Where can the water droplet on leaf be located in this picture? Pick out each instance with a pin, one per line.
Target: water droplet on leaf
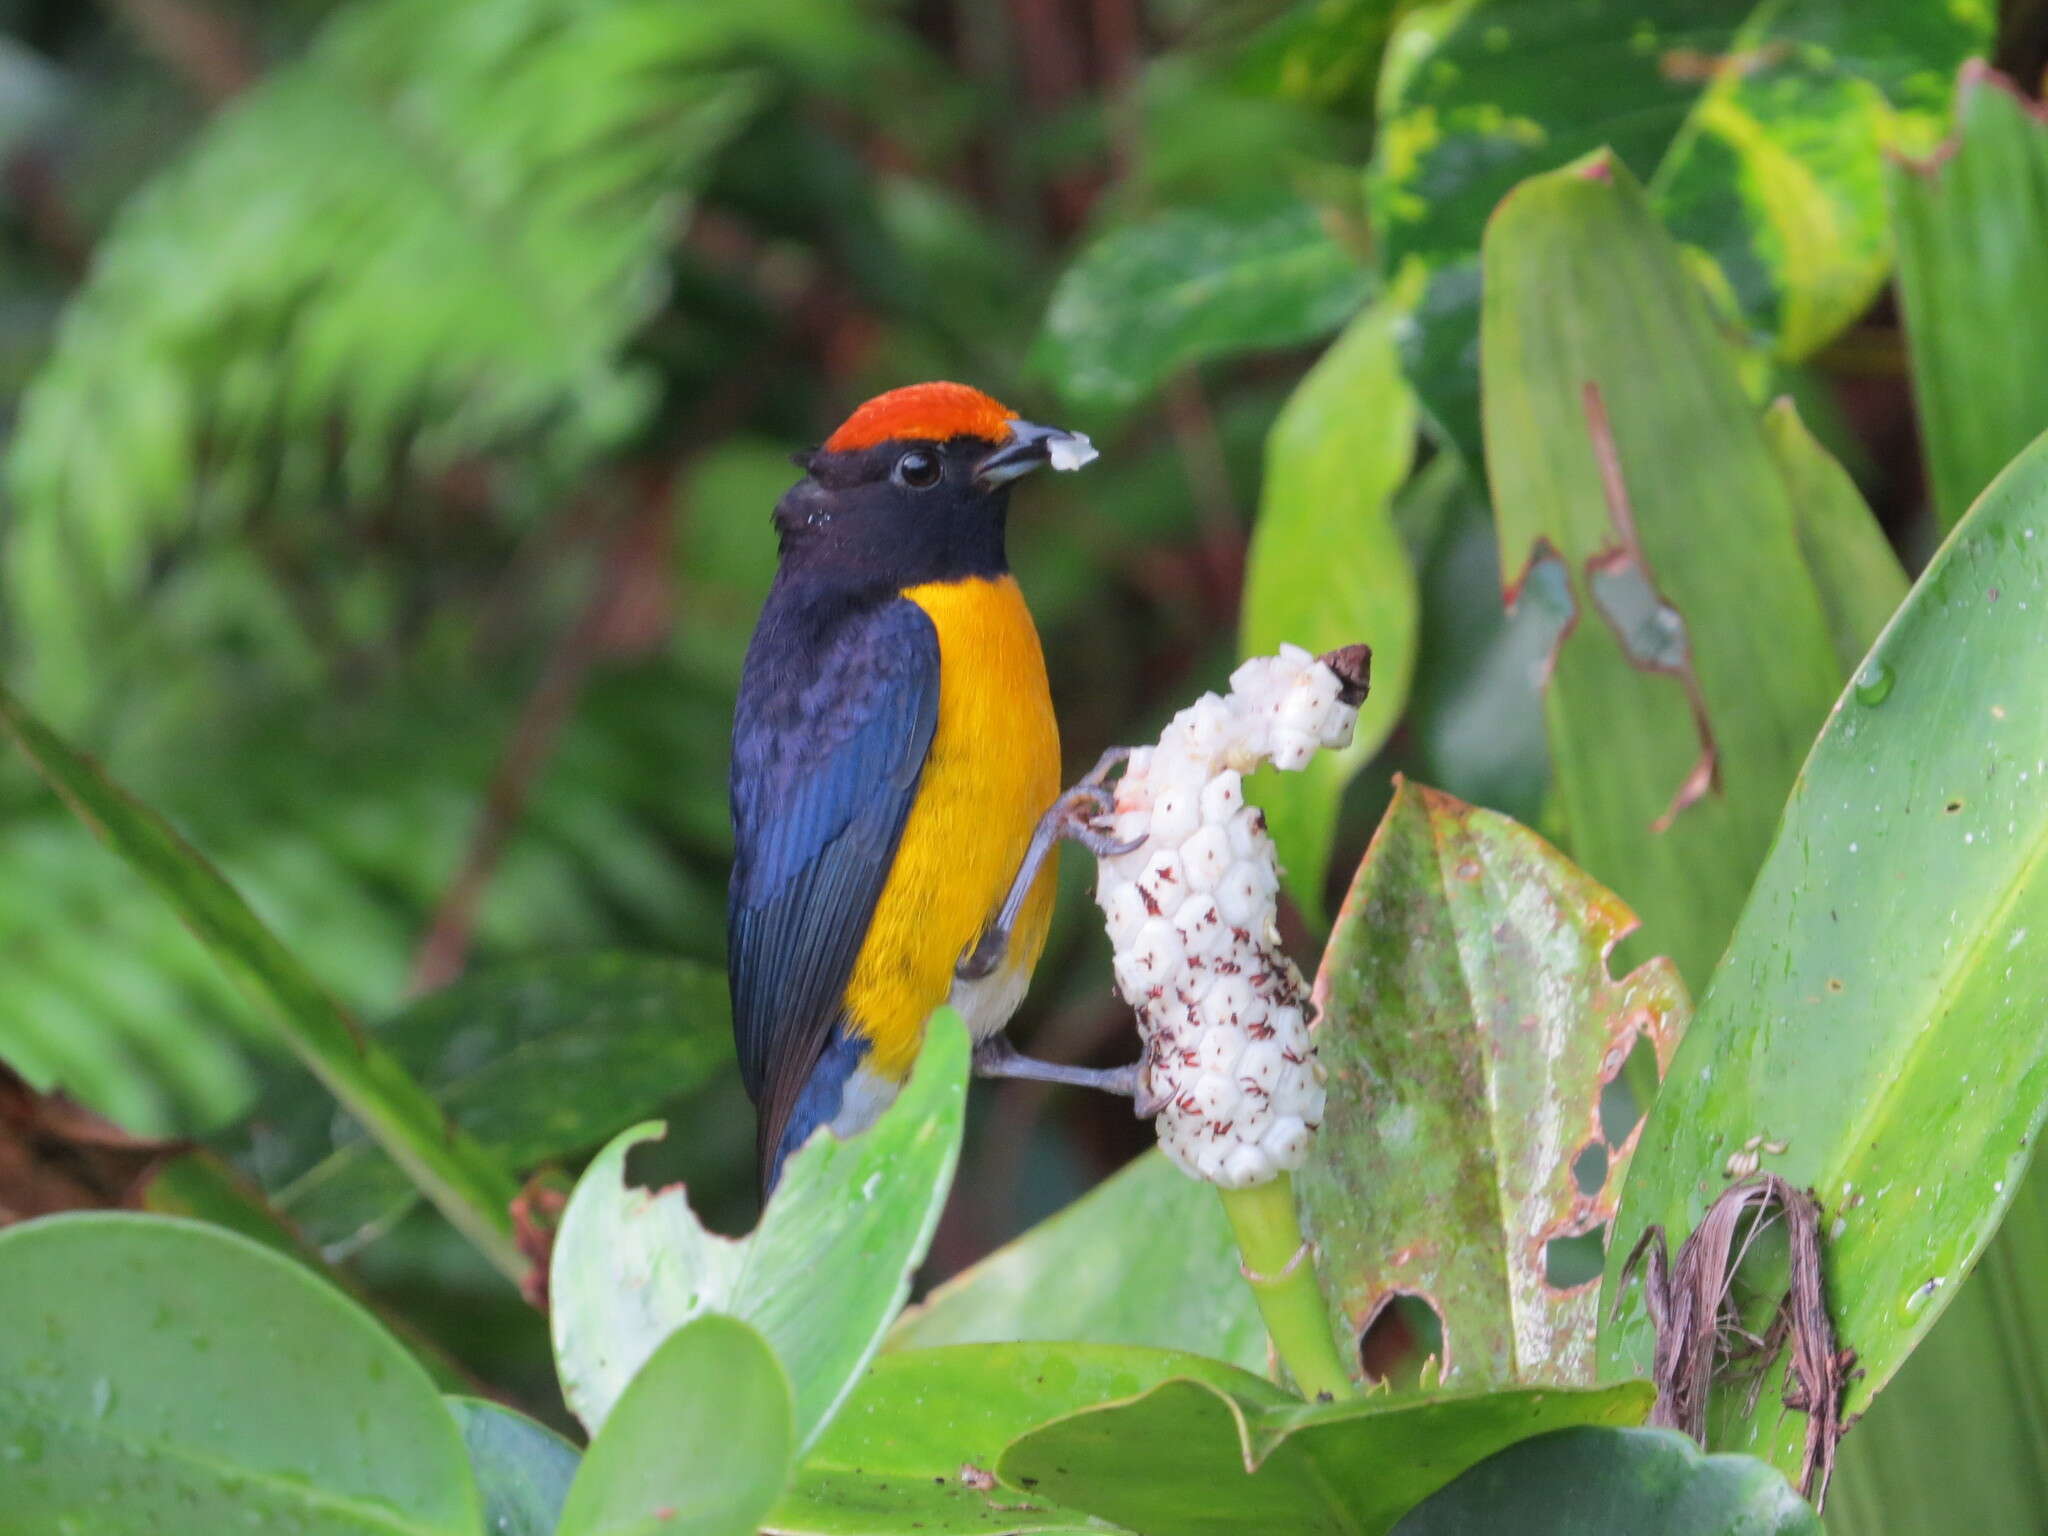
(1873, 683)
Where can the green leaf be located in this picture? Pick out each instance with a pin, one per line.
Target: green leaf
(1778, 176)
(1758, 119)
(1469, 1027)
(537, 1059)
(164, 1377)
(1615, 1482)
(522, 1469)
(471, 1188)
(1478, 95)
(822, 1276)
(112, 999)
(200, 1186)
(1972, 225)
(1146, 300)
(1325, 54)
(1676, 720)
(1857, 576)
(1874, 1013)
(1187, 1459)
(916, 1446)
(699, 1444)
(1906, 1469)
(1327, 568)
(1078, 1275)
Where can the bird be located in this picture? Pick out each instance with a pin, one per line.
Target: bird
(895, 780)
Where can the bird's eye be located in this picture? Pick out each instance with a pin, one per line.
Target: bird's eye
(918, 469)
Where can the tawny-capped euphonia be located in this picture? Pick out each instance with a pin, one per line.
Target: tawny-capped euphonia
(895, 769)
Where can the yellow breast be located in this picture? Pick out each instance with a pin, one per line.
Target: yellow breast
(992, 770)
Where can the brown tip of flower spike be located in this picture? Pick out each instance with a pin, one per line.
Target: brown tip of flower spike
(1353, 666)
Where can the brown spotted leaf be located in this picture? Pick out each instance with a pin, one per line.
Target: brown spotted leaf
(1470, 1026)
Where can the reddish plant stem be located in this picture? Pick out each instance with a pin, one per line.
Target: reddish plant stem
(203, 47)
(615, 599)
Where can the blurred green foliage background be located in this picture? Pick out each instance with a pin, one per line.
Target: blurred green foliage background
(397, 391)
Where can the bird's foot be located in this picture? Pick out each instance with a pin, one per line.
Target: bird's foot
(1071, 818)
(996, 1057)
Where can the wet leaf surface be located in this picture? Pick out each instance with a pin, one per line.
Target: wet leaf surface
(523, 1469)
(1873, 1034)
(1905, 1470)
(1469, 1025)
(163, 1377)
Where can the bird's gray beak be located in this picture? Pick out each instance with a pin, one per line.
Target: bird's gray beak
(1030, 446)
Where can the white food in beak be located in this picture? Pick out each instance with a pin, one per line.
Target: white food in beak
(1070, 450)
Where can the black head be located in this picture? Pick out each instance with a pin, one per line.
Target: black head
(914, 487)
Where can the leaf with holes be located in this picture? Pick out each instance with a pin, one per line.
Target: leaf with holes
(1874, 1033)
(1627, 460)
(916, 1446)
(1582, 1481)
(1191, 1459)
(1145, 1257)
(1469, 1026)
(1327, 568)
(1190, 284)
(1972, 225)
(821, 1276)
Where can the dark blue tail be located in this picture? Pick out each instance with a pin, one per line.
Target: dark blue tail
(819, 1102)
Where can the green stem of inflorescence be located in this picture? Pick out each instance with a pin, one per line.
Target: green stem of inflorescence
(1280, 1268)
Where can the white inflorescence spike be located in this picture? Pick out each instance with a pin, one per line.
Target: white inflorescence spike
(1229, 1062)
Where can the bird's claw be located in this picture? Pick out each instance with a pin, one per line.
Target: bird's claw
(1073, 818)
(1080, 809)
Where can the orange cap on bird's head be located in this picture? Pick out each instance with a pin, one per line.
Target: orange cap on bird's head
(946, 416)
(934, 413)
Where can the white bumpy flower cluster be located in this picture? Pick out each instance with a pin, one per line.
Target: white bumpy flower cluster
(1229, 1067)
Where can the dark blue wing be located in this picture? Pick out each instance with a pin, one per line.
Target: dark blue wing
(836, 710)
